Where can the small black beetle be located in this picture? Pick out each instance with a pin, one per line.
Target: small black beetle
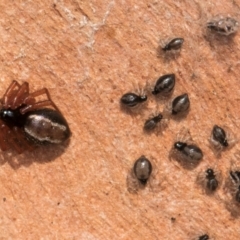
(132, 100)
(212, 182)
(192, 153)
(219, 135)
(185, 151)
(152, 123)
(221, 138)
(164, 84)
(142, 169)
(180, 104)
(235, 178)
(174, 44)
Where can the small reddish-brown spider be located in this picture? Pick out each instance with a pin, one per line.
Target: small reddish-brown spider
(25, 121)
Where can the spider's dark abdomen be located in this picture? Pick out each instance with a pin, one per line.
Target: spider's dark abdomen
(44, 126)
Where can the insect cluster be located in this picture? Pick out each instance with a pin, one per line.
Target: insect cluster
(27, 122)
(161, 89)
(184, 150)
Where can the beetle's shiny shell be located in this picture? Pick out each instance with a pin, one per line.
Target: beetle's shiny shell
(219, 135)
(223, 25)
(44, 126)
(174, 44)
(142, 169)
(132, 99)
(164, 84)
(212, 182)
(151, 123)
(193, 153)
(180, 104)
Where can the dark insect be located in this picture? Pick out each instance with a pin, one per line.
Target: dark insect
(132, 100)
(235, 177)
(221, 138)
(204, 237)
(164, 84)
(152, 123)
(185, 151)
(219, 135)
(191, 152)
(142, 169)
(209, 180)
(26, 122)
(174, 44)
(212, 182)
(223, 25)
(180, 104)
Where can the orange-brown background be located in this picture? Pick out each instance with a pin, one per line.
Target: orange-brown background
(88, 53)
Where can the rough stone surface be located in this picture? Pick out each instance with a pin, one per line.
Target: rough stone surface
(88, 54)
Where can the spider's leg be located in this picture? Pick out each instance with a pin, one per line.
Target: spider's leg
(40, 104)
(20, 96)
(37, 105)
(9, 94)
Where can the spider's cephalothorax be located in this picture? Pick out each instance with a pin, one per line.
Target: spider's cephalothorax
(25, 122)
(12, 117)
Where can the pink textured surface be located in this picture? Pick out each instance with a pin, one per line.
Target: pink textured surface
(88, 53)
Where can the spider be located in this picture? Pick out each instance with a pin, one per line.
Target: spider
(26, 122)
